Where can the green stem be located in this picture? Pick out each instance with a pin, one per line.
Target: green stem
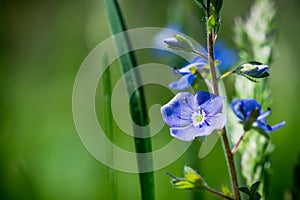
(108, 126)
(229, 156)
(137, 101)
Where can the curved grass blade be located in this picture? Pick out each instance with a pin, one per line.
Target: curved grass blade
(137, 101)
(108, 125)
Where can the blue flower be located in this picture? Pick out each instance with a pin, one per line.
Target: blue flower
(249, 111)
(189, 74)
(252, 70)
(191, 116)
(226, 57)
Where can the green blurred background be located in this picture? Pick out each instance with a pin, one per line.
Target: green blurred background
(42, 46)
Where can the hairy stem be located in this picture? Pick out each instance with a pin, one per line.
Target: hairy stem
(229, 156)
(230, 162)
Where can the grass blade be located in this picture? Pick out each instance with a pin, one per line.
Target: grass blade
(137, 101)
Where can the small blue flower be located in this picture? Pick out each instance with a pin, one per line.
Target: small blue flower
(226, 57)
(189, 74)
(249, 111)
(191, 116)
(252, 70)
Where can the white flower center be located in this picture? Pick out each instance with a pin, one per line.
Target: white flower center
(198, 117)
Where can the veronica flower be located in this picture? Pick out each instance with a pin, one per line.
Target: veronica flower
(225, 58)
(191, 116)
(189, 74)
(249, 111)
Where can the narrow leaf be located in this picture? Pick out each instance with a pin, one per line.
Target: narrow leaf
(254, 187)
(245, 190)
(137, 102)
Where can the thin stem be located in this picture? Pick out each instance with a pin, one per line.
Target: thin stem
(230, 162)
(218, 193)
(238, 143)
(200, 55)
(229, 156)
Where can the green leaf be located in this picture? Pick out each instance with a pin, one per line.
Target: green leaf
(245, 190)
(108, 127)
(226, 191)
(183, 184)
(254, 187)
(179, 42)
(201, 4)
(191, 180)
(217, 6)
(137, 102)
(249, 78)
(257, 196)
(211, 23)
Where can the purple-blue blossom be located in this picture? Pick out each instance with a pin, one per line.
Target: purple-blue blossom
(244, 110)
(189, 74)
(226, 57)
(192, 116)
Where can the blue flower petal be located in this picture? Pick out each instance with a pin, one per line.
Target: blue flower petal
(235, 106)
(183, 133)
(248, 105)
(260, 69)
(277, 126)
(213, 105)
(216, 122)
(264, 115)
(186, 69)
(178, 111)
(202, 97)
(184, 82)
(189, 119)
(243, 108)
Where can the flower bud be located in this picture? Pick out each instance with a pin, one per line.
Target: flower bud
(179, 42)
